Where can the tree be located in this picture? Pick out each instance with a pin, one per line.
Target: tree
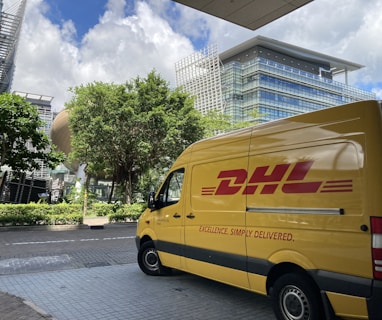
(124, 130)
(20, 127)
(215, 122)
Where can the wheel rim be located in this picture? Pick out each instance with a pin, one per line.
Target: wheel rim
(294, 304)
(151, 259)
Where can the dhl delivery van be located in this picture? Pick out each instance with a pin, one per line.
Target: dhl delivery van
(291, 209)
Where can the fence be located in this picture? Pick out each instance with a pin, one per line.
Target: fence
(22, 188)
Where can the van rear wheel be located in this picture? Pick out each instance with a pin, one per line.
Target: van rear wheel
(295, 297)
(149, 262)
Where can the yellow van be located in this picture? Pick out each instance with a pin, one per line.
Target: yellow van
(291, 209)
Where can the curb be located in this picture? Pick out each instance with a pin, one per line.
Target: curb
(13, 308)
(40, 311)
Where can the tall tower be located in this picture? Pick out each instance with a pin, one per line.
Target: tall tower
(199, 74)
(44, 108)
(11, 17)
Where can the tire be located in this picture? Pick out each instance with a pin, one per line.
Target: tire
(295, 297)
(149, 262)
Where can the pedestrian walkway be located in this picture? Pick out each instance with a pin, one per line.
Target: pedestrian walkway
(123, 292)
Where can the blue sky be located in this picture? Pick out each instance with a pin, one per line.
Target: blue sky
(84, 13)
(64, 43)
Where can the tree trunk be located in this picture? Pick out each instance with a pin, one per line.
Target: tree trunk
(86, 187)
(128, 190)
(111, 190)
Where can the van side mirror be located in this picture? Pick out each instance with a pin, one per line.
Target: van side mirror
(151, 201)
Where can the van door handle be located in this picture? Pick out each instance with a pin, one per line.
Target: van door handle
(190, 216)
(176, 215)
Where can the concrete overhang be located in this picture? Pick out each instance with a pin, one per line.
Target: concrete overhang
(337, 65)
(251, 14)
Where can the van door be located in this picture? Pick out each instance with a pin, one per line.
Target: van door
(168, 219)
(305, 207)
(215, 221)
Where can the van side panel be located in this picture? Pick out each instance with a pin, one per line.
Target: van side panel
(306, 207)
(345, 305)
(214, 243)
(308, 199)
(373, 159)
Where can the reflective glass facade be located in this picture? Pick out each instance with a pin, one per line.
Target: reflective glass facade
(272, 78)
(280, 90)
(10, 26)
(199, 74)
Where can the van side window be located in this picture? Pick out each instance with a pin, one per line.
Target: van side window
(172, 188)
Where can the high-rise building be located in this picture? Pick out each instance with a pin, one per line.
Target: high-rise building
(274, 78)
(10, 26)
(44, 108)
(200, 75)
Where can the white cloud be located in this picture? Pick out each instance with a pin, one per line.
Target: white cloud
(45, 56)
(116, 49)
(158, 34)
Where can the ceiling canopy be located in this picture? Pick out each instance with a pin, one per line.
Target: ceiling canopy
(251, 14)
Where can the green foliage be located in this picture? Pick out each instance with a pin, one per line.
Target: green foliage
(151, 180)
(100, 209)
(215, 122)
(128, 213)
(124, 130)
(39, 214)
(20, 124)
(65, 214)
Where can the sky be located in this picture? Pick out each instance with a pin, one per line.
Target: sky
(67, 43)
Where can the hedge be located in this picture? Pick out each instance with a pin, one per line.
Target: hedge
(64, 214)
(127, 213)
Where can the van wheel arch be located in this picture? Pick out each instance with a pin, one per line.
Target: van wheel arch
(280, 269)
(145, 239)
(289, 280)
(149, 261)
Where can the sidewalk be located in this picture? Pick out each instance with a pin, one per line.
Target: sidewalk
(15, 308)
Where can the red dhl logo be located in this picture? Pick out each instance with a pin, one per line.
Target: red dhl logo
(265, 180)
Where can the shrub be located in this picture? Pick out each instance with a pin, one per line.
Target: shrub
(39, 214)
(101, 209)
(127, 213)
(65, 213)
(135, 210)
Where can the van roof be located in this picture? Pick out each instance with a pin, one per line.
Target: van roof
(320, 117)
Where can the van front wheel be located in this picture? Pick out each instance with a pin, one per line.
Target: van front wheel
(148, 260)
(294, 297)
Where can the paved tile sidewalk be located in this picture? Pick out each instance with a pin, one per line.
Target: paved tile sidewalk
(123, 292)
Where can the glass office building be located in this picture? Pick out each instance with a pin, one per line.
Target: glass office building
(10, 26)
(44, 108)
(278, 80)
(200, 74)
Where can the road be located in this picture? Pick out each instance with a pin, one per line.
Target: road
(92, 274)
(36, 251)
